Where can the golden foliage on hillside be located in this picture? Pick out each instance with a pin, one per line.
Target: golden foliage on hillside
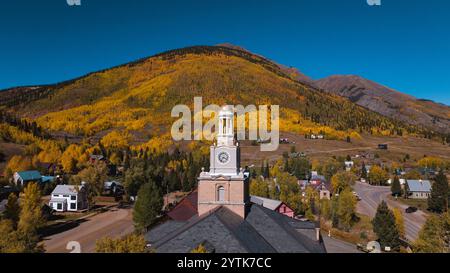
(139, 96)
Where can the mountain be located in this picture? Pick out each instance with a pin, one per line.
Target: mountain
(389, 102)
(138, 97)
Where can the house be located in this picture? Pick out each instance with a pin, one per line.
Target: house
(69, 198)
(274, 205)
(25, 177)
(317, 180)
(349, 165)
(418, 189)
(47, 167)
(221, 214)
(324, 192)
(186, 208)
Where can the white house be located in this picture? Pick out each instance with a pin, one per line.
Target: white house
(418, 189)
(69, 198)
(349, 165)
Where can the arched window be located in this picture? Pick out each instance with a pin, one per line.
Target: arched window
(220, 194)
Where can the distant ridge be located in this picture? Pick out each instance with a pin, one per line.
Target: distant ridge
(389, 102)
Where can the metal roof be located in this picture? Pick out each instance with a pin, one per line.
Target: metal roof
(265, 202)
(29, 175)
(419, 185)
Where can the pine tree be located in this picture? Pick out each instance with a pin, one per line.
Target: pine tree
(385, 227)
(148, 206)
(438, 201)
(363, 171)
(396, 188)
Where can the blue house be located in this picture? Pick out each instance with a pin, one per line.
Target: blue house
(25, 177)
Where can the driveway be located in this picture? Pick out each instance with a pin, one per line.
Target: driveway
(113, 223)
(371, 197)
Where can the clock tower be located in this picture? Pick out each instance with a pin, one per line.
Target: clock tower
(225, 184)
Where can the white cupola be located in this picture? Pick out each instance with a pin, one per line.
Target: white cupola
(225, 136)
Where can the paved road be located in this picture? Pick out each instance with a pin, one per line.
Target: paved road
(337, 246)
(113, 223)
(372, 196)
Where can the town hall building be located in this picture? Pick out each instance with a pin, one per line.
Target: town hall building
(219, 214)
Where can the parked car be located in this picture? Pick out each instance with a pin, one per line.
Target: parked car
(411, 210)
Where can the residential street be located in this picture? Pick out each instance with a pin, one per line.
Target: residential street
(372, 196)
(113, 223)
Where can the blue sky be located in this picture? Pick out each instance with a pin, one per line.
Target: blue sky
(404, 44)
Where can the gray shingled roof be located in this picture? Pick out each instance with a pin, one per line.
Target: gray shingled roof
(263, 231)
(66, 190)
(419, 185)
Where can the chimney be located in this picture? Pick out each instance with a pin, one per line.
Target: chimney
(318, 234)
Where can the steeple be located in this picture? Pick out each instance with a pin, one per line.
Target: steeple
(225, 184)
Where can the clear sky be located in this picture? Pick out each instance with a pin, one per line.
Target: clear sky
(404, 44)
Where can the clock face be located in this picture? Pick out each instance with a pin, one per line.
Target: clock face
(224, 157)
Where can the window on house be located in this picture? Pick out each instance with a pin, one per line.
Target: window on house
(65, 196)
(221, 194)
(73, 206)
(73, 197)
(59, 206)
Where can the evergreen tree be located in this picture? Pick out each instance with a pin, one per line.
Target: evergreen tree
(267, 171)
(363, 171)
(396, 188)
(148, 206)
(385, 227)
(438, 200)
